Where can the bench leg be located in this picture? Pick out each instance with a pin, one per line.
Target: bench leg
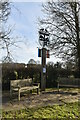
(37, 90)
(31, 91)
(19, 95)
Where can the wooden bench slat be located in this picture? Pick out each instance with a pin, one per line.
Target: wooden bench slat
(22, 86)
(68, 82)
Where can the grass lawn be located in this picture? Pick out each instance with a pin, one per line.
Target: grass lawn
(67, 111)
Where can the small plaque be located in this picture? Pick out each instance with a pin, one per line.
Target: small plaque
(44, 70)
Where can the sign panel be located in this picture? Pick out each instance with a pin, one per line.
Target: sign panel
(44, 70)
(39, 52)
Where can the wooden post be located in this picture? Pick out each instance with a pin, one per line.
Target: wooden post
(18, 94)
(43, 71)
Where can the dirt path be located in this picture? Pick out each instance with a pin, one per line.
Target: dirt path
(49, 97)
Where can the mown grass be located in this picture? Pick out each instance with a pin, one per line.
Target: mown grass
(66, 111)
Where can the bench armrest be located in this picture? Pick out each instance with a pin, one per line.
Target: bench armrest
(36, 84)
(16, 87)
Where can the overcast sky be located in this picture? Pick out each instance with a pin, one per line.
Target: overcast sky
(24, 21)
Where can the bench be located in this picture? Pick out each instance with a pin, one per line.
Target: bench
(22, 86)
(68, 82)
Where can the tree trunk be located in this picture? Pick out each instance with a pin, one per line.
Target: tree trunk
(77, 37)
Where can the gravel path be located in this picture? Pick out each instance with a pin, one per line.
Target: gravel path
(43, 99)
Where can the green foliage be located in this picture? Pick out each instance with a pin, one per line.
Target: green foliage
(76, 74)
(51, 76)
(13, 73)
(53, 73)
(66, 111)
(34, 72)
(36, 78)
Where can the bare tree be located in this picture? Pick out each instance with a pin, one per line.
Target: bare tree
(62, 22)
(5, 41)
(31, 61)
(4, 10)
